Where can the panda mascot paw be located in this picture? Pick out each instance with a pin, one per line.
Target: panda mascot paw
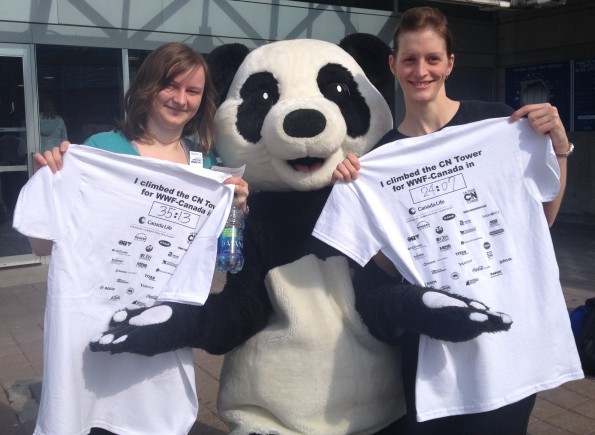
(468, 318)
(148, 331)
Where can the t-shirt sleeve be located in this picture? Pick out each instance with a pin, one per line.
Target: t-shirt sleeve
(540, 166)
(43, 207)
(191, 282)
(345, 225)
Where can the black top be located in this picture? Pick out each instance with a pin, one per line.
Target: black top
(469, 111)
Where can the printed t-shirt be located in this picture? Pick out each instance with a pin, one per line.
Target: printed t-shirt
(127, 231)
(461, 210)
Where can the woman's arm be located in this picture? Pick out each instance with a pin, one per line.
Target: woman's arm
(41, 247)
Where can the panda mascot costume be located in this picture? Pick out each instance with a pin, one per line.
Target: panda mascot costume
(300, 357)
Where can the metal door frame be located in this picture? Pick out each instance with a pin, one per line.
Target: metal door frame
(26, 53)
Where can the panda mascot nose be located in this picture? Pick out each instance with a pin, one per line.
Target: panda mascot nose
(304, 123)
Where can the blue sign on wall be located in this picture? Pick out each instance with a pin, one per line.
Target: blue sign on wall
(584, 95)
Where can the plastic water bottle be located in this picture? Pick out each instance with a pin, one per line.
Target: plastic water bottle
(230, 246)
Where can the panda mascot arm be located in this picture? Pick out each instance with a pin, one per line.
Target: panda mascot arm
(226, 320)
(389, 306)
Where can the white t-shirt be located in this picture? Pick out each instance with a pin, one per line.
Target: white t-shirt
(127, 231)
(461, 210)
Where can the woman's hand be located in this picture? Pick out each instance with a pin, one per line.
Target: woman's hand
(544, 118)
(241, 192)
(51, 158)
(347, 170)
(41, 247)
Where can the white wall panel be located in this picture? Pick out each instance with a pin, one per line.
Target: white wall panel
(206, 23)
(121, 14)
(41, 11)
(15, 32)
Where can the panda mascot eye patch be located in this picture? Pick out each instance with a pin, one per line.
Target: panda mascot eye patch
(335, 91)
(261, 98)
(259, 94)
(338, 85)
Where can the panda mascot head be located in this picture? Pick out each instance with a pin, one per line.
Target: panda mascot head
(293, 109)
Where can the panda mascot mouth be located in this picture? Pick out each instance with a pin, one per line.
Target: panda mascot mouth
(306, 164)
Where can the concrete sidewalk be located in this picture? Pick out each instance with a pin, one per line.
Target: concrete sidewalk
(569, 409)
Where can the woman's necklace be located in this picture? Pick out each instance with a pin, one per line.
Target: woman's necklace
(175, 142)
(172, 151)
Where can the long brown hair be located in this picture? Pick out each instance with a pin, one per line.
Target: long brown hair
(424, 17)
(156, 73)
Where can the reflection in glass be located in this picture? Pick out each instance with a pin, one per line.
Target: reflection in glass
(85, 86)
(52, 129)
(13, 152)
(135, 60)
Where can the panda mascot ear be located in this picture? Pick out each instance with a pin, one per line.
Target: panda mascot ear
(371, 53)
(223, 63)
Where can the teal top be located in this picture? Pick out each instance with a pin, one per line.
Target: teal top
(116, 142)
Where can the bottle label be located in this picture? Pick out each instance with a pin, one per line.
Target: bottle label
(231, 241)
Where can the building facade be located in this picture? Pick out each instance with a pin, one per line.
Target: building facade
(66, 64)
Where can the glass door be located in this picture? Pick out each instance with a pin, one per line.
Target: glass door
(17, 131)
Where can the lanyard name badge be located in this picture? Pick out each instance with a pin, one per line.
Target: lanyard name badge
(196, 158)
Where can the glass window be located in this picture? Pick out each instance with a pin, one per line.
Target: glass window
(13, 152)
(81, 86)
